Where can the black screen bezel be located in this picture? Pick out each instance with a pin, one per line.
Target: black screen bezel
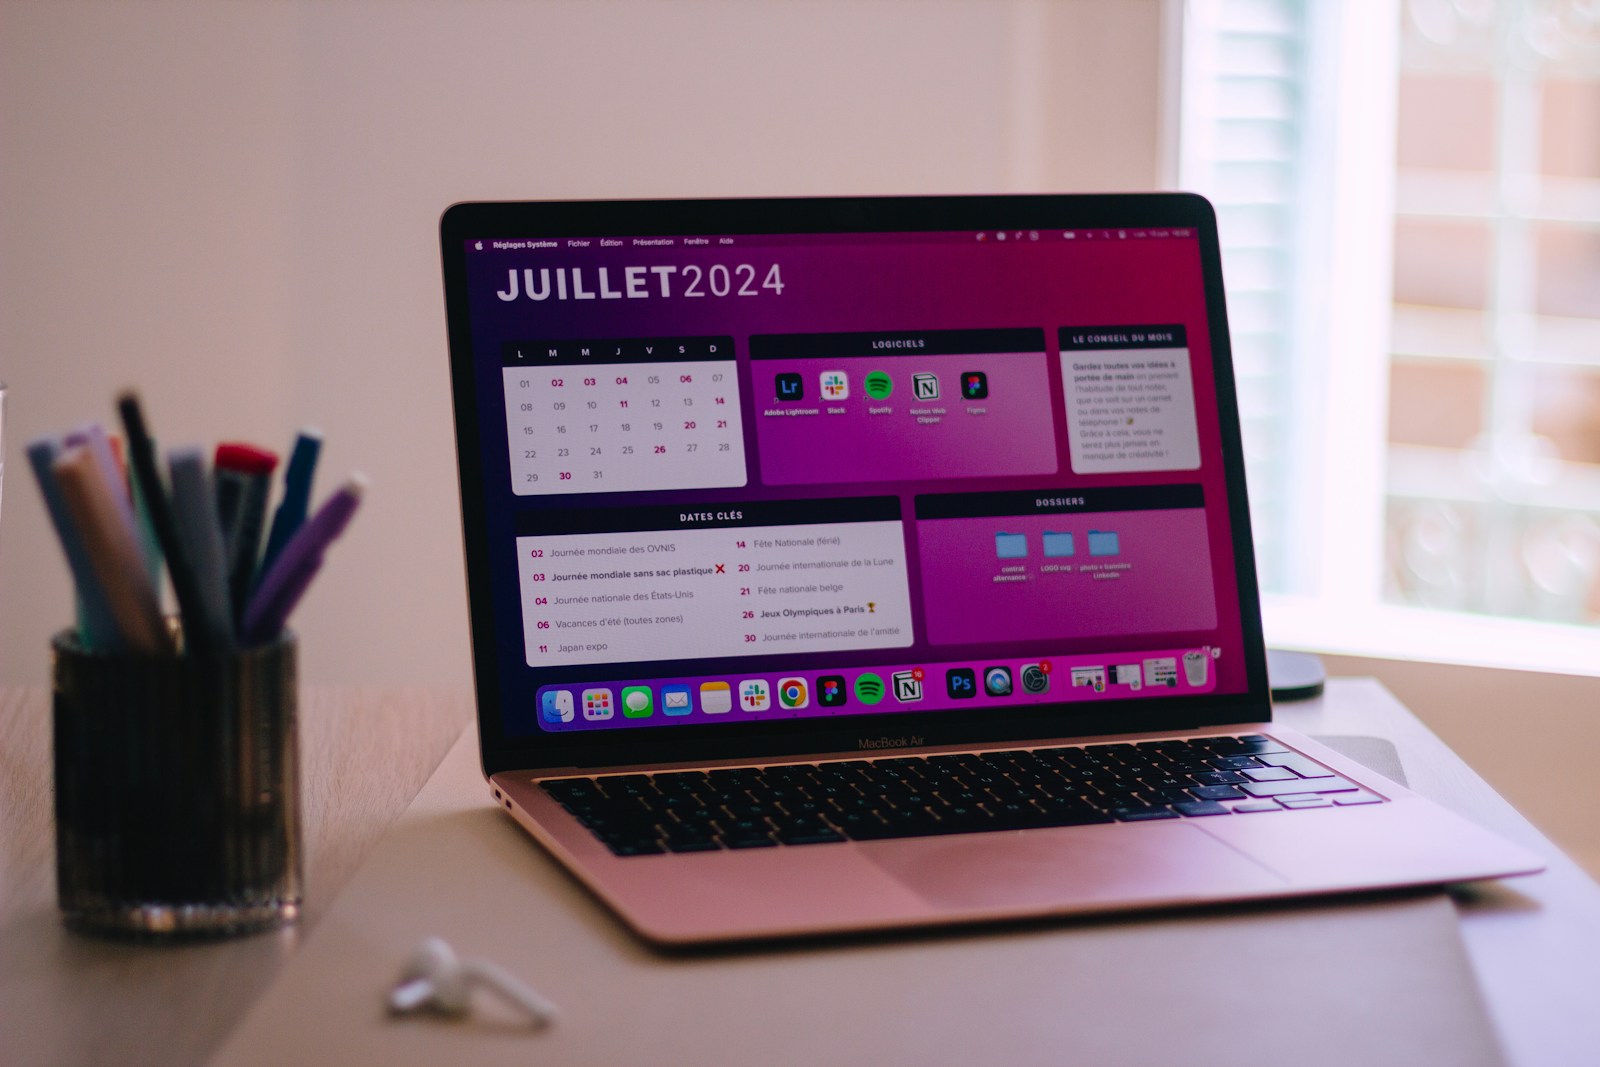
(754, 741)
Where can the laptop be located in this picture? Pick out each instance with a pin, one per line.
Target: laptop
(846, 565)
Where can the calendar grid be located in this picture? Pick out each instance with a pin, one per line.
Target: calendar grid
(597, 416)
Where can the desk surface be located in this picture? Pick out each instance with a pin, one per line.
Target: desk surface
(1534, 943)
(66, 999)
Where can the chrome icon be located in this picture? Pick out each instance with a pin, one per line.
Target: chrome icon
(793, 693)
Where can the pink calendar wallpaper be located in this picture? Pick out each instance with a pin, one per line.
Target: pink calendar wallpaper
(749, 396)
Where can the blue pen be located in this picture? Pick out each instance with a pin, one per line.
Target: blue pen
(283, 586)
(296, 498)
(195, 514)
(97, 630)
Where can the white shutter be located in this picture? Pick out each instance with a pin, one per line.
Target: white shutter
(1245, 87)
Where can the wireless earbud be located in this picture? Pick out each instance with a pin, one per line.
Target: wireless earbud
(435, 979)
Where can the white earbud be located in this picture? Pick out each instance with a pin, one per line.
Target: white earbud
(435, 979)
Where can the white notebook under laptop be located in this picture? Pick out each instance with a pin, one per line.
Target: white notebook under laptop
(867, 563)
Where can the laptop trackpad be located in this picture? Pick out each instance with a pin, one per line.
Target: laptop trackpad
(1088, 864)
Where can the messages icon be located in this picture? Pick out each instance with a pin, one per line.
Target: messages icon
(638, 702)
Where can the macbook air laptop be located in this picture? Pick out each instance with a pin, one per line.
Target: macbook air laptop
(858, 564)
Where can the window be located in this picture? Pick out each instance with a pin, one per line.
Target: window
(1409, 198)
(1494, 424)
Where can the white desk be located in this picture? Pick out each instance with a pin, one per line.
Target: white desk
(72, 1000)
(1534, 944)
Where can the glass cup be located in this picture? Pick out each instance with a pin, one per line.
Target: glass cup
(177, 791)
(2, 444)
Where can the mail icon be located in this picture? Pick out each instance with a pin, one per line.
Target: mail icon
(1057, 544)
(1103, 543)
(675, 697)
(1011, 545)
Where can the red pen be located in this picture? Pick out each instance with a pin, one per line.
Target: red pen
(244, 477)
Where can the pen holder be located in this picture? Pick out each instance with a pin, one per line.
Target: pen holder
(177, 791)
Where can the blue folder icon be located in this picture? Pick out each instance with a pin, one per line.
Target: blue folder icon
(1011, 545)
(1103, 543)
(1057, 544)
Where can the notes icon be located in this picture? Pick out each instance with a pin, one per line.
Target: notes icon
(716, 698)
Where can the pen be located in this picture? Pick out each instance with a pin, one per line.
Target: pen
(99, 444)
(149, 544)
(227, 489)
(255, 466)
(142, 451)
(97, 630)
(296, 498)
(283, 586)
(195, 514)
(112, 551)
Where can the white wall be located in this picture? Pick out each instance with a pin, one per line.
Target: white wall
(233, 206)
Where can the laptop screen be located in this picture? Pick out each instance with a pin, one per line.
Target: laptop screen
(730, 477)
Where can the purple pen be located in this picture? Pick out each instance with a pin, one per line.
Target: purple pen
(282, 587)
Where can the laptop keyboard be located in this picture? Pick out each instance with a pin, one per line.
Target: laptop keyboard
(916, 796)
